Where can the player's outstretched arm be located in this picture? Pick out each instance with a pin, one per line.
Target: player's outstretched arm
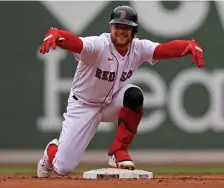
(64, 39)
(180, 48)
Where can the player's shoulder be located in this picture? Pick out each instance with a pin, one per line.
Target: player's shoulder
(138, 41)
(143, 43)
(101, 39)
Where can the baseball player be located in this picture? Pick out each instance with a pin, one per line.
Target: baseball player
(100, 90)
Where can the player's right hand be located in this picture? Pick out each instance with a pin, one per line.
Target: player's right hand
(50, 39)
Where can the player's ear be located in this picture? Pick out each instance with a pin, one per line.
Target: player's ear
(110, 26)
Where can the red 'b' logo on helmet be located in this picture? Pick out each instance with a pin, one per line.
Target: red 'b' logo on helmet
(123, 14)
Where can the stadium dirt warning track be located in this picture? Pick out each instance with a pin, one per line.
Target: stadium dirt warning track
(168, 181)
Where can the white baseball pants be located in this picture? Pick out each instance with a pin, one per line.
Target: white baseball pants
(78, 128)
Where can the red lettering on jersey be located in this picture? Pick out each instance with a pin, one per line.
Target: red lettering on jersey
(98, 73)
(123, 76)
(111, 76)
(105, 74)
(126, 75)
(129, 74)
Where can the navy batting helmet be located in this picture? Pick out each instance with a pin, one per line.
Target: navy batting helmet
(125, 15)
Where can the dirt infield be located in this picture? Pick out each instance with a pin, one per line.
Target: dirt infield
(175, 181)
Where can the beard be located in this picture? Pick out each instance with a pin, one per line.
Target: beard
(121, 42)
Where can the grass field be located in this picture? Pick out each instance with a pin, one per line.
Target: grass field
(156, 169)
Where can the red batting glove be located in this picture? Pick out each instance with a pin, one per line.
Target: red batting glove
(50, 39)
(197, 53)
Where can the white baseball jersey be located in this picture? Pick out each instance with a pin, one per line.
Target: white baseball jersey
(102, 71)
(100, 77)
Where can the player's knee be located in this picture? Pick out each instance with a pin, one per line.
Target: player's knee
(133, 98)
(64, 170)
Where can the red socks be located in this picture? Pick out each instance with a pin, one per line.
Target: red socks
(127, 128)
(51, 151)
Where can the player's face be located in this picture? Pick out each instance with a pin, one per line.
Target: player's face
(121, 35)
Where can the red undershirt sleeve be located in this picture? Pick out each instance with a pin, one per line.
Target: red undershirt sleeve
(173, 49)
(71, 42)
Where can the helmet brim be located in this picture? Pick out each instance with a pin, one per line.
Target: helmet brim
(123, 21)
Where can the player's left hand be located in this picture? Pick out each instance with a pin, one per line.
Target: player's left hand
(50, 40)
(197, 53)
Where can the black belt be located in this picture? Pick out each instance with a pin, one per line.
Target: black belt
(74, 97)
